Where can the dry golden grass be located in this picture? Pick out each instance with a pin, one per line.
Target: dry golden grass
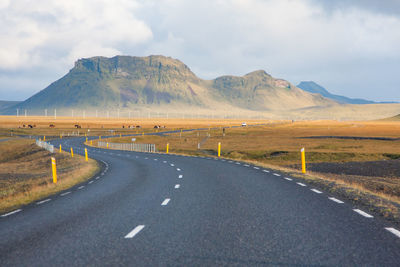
(25, 173)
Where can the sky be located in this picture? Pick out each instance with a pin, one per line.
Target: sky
(351, 47)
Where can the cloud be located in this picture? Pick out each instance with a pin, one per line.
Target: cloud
(344, 45)
(66, 30)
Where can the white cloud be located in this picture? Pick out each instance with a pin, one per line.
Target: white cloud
(46, 30)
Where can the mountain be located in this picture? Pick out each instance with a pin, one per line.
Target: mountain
(7, 104)
(315, 88)
(157, 81)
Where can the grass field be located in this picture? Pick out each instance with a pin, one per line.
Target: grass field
(25, 172)
(276, 144)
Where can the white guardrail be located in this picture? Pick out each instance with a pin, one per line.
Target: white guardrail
(45, 145)
(129, 146)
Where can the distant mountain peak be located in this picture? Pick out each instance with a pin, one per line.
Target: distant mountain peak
(313, 87)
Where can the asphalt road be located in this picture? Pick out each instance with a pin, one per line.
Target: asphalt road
(168, 210)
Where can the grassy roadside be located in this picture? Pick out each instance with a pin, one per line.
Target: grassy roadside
(25, 173)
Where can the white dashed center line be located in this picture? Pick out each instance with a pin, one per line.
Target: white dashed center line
(97, 177)
(276, 174)
(180, 176)
(164, 161)
(362, 213)
(336, 200)
(155, 159)
(172, 165)
(11, 213)
(237, 163)
(135, 231)
(316, 191)
(43, 201)
(301, 184)
(178, 169)
(246, 165)
(393, 231)
(81, 187)
(265, 171)
(256, 168)
(165, 202)
(177, 186)
(66, 193)
(90, 182)
(289, 179)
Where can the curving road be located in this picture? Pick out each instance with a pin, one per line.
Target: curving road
(156, 210)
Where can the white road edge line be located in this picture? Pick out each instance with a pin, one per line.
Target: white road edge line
(165, 202)
(43, 201)
(66, 193)
(363, 213)
(172, 165)
(180, 176)
(276, 174)
(91, 182)
(81, 187)
(393, 231)
(11, 213)
(177, 186)
(336, 200)
(265, 171)
(316, 191)
(256, 168)
(289, 179)
(135, 231)
(301, 184)
(178, 169)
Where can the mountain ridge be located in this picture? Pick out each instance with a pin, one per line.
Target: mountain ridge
(132, 82)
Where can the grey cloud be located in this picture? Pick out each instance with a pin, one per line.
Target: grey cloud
(391, 7)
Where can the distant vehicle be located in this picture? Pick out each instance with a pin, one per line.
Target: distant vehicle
(244, 124)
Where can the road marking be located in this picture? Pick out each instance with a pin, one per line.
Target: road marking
(178, 169)
(118, 154)
(97, 177)
(66, 193)
(230, 161)
(393, 231)
(316, 191)
(81, 187)
(11, 213)
(246, 165)
(289, 179)
(276, 174)
(180, 176)
(238, 163)
(90, 182)
(165, 161)
(223, 160)
(265, 171)
(43, 201)
(155, 159)
(336, 200)
(363, 213)
(146, 158)
(165, 202)
(135, 231)
(172, 165)
(301, 184)
(256, 168)
(177, 186)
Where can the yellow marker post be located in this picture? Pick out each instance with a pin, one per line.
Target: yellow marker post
(72, 153)
(60, 148)
(143, 134)
(303, 160)
(219, 149)
(44, 138)
(120, 135)
(54, 169)
(60, 136)
(86, 156)
(107, 145)
(91, 142)
(99, 137)
(86, 139)
(167, 148)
